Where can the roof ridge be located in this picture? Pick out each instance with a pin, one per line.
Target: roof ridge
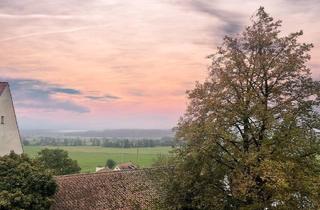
(104, 172)
(3, 86)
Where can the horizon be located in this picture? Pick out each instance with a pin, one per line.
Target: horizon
(106, 129)
(79, 65)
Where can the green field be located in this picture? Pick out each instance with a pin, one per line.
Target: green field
(89, 157)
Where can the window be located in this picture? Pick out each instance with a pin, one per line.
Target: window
(2, 119)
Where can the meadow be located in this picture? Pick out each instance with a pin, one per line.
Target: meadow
(89, 157)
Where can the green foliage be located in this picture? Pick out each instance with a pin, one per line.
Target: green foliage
(249, 128)
(57, 161)
(110, 163)
(24, 184)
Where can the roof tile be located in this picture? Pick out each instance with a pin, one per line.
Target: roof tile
(123, 190)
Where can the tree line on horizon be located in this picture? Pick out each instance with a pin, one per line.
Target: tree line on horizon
(103, 142)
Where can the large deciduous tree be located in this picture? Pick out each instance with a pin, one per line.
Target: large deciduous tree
(250, 128)
(24, 184)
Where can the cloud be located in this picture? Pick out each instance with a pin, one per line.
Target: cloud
(51, 32)
(138, 93)
(57, 105)
(55, 7)
(38, 16)
(231, 21)
(36, 94)
(313, 5)
(66, 91)
(40, 88)
(105, 97)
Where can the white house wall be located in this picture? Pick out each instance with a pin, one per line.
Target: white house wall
(9, 133)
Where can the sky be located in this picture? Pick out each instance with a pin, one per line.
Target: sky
(108, 64)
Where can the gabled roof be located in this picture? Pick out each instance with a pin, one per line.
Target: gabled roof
(127, 166)
(107, 190)
(3, 86)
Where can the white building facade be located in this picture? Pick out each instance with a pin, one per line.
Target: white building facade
(10, 139)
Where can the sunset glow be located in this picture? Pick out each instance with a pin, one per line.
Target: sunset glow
(123, 64)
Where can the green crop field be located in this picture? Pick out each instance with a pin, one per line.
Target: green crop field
(89, 157)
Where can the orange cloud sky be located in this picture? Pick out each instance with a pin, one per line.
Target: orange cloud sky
(130, 61)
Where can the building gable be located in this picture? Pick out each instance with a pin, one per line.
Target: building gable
(9, 133)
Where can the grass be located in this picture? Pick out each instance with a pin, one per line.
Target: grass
(89, 157)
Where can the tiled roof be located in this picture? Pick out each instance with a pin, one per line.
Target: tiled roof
(3, 86)
(127, 166)
(123, 190)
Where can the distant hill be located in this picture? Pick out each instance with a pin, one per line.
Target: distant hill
(109, 133)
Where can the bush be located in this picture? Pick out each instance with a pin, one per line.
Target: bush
(110, 163)
(24, 184)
